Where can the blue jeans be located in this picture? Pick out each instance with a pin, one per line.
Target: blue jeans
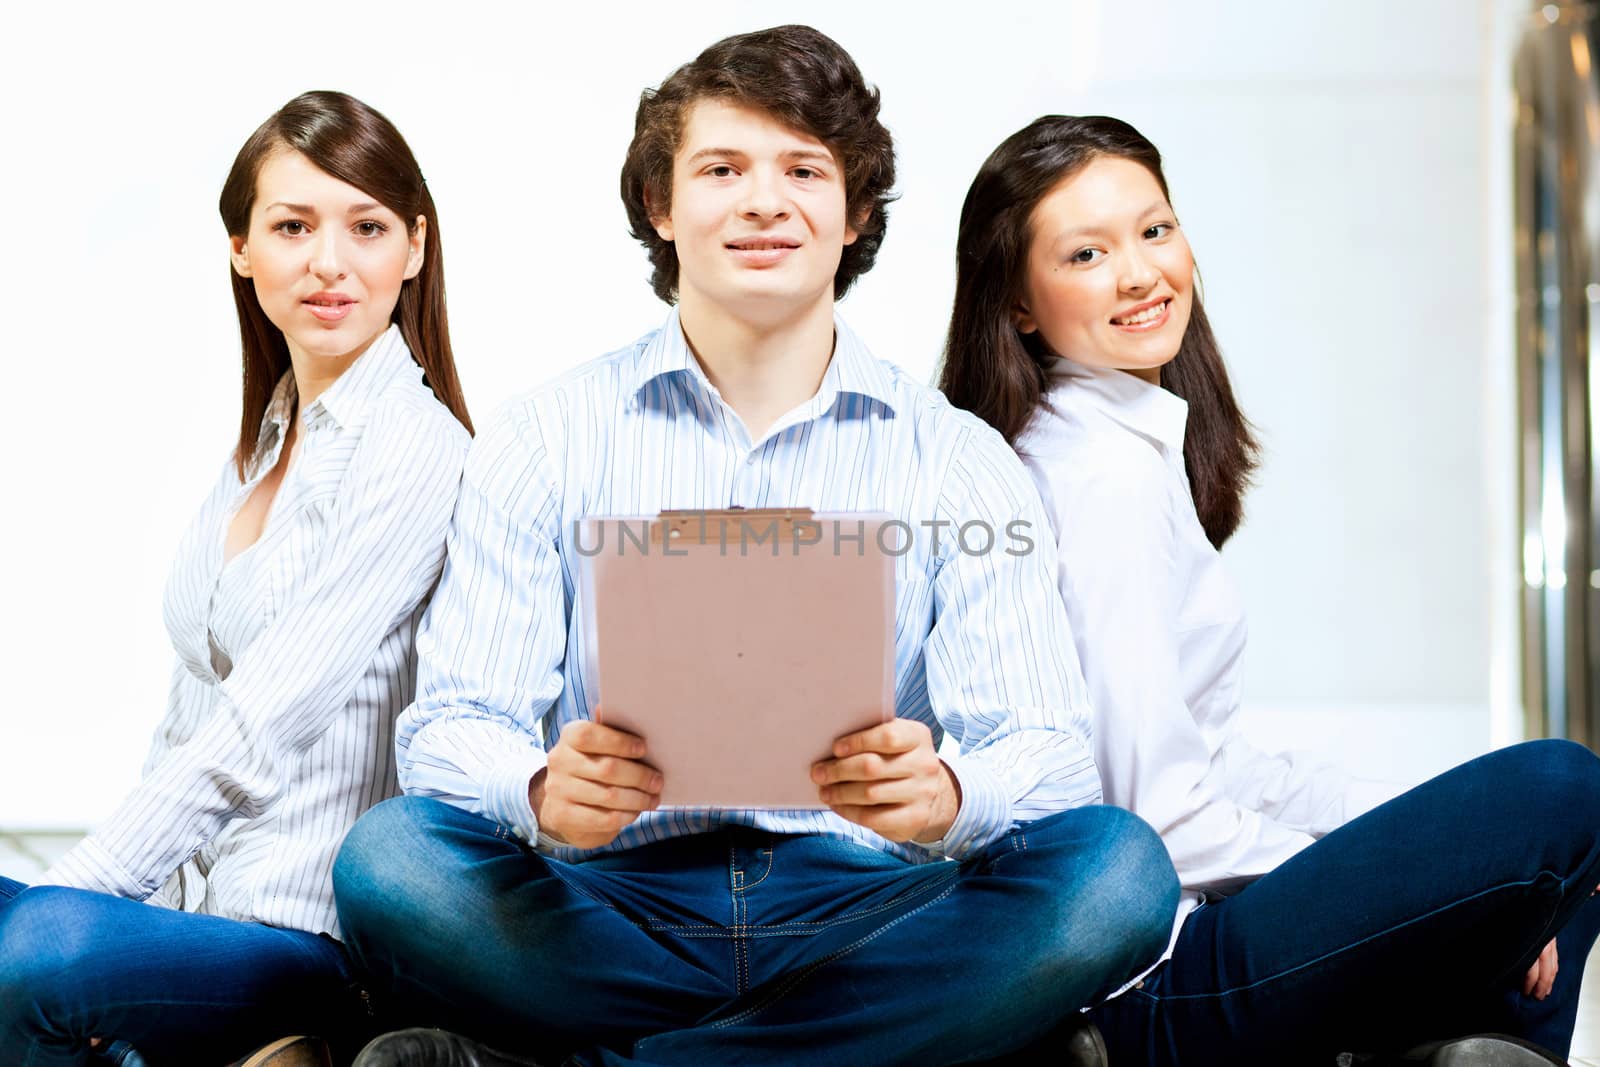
(1416, 921)
(180, 988)
(745, 947)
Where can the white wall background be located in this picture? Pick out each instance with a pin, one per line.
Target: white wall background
(1332, 160)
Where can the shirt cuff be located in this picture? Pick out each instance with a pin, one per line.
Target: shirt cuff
(985, 813)
(505, 793)
(554, 846)
(89, 865)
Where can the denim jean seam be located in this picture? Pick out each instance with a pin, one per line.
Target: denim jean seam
(790, 983)
(741, 911)
(751, 885)
(741, 946)
(1357, 944)
(705, 932)
(664, 926)
(583, 891)
(779, 929)
(1013, 844)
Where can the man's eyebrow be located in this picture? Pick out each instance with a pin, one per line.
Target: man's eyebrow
(819, 154)
(705, 153)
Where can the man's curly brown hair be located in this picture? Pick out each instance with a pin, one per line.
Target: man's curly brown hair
(803, 79)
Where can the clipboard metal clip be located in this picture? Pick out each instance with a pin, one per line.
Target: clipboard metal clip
(736, 526)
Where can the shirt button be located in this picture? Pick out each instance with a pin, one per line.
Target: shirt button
(751, 458)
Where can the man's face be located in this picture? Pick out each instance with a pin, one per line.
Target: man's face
(757, 213)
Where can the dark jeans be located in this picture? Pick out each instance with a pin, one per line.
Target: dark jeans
(180, 988)
(746, 947)
(1415, 921)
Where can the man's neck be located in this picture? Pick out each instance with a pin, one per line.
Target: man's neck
(764, 368)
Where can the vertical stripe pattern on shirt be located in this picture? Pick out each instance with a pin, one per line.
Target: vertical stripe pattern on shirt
(294, 657)
(982, 649)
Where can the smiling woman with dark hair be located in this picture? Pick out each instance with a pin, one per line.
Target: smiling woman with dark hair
(1319, 911)
(292, 606)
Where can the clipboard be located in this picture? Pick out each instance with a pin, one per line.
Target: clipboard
(740, 644)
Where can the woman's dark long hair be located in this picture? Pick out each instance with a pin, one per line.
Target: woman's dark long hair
(997, 372)
(357, 145)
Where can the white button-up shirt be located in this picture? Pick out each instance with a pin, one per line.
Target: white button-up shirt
(293, 658)
(1160, 633)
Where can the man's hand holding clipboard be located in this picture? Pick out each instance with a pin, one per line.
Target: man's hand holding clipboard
(595, 782)
(891, 780)
(744, 659)
(888, 778)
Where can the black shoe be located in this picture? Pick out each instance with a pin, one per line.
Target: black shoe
(1483, 1050)
(1082, 1045)
(1072, 1042)
(433, 1048)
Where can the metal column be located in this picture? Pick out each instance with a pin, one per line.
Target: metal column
(1556, 190)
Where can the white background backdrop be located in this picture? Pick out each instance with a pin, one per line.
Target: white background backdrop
(1337, 164)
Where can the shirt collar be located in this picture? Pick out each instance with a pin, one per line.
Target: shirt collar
(856, 370)
(274, 427)
(851, 370)
(1139, 405)
(348, 401)
(345, 403)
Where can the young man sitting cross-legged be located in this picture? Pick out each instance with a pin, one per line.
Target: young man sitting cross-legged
(527, 893)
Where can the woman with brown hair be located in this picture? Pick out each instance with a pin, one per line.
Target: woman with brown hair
(1319, 912)
(292, 606)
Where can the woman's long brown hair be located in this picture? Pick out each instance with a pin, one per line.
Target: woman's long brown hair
(357, 145)
(995, 371)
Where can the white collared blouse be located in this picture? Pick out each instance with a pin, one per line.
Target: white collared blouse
(293, 658)
(1160, 634)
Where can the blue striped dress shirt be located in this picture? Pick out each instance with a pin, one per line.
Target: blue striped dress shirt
(982, 648)
(293, 657)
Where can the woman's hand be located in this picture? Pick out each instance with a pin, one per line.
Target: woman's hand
(595, 782)
(1542, 975)
(889, 779)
